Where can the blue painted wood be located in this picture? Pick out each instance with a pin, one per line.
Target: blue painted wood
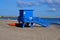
(26, 16)
(41, 22)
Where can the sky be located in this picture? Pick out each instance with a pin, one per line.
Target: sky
(8, 8)
(11, 8)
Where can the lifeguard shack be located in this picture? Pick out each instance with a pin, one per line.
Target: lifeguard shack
(26, 18)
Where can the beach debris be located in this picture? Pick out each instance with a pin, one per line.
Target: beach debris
(12, 24)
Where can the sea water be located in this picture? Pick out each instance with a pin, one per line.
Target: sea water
(51, 20)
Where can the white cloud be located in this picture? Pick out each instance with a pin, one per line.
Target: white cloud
(34, 3)
(42, 1)
(57, 1)
(54, 1)
(49, 1)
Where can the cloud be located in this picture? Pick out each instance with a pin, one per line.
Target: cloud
(34, 3)
(53, 1)
(57, 1)
(26, 4)
(49, 1)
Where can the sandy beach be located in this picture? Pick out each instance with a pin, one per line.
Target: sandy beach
(37, 33)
